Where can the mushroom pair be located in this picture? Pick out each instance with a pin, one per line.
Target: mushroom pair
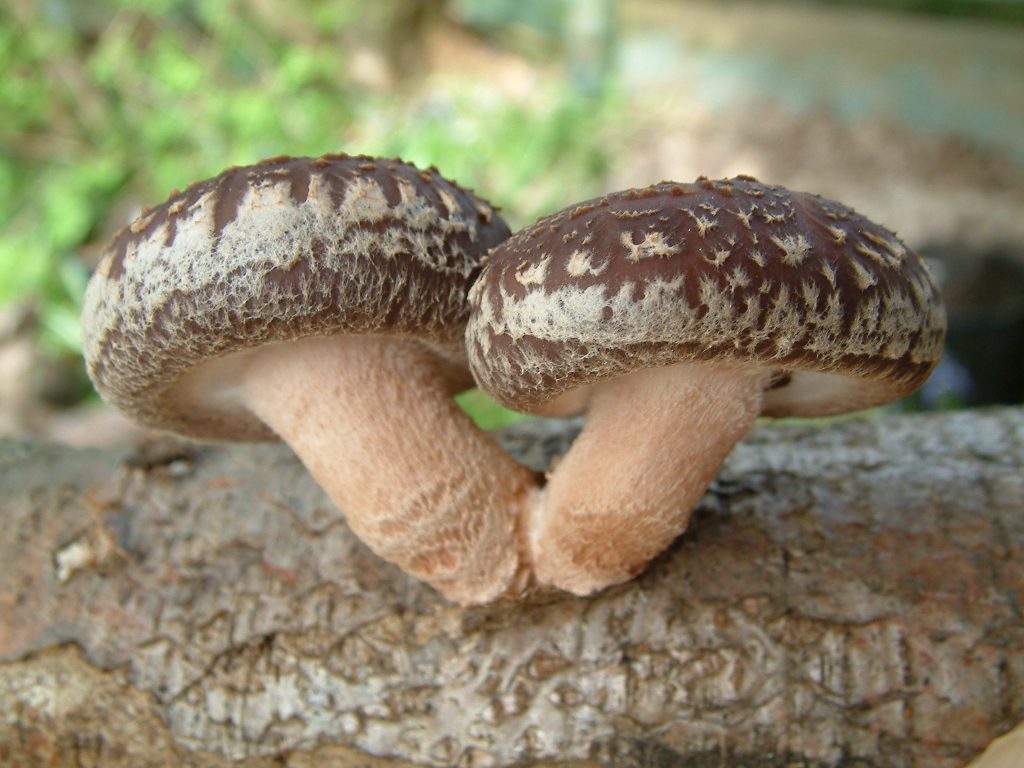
(324, 301)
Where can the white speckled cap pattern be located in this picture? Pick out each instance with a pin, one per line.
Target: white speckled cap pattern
(287, 248)
(732, 270)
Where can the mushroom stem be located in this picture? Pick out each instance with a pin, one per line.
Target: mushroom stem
(653, 442)
(374, 422)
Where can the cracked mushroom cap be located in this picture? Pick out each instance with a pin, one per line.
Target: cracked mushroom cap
(841, 312)
(285, 249)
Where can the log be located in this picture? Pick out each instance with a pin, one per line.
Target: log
(848, 594)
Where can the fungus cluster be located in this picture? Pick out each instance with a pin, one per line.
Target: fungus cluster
(338, 303)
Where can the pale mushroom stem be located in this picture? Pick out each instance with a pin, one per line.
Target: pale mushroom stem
(653, 442)
(374, 422)
(1004, 752)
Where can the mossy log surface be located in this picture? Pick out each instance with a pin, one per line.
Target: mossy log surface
(848, 594)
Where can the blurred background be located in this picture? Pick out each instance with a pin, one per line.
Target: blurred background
(912, 111)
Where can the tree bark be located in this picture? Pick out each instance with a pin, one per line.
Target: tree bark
(848, 594)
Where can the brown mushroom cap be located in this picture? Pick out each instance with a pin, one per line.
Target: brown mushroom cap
(287, 248)
(842, 312)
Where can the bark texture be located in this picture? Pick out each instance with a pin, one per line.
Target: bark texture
(848, 594)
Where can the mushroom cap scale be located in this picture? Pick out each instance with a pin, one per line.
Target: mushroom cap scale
(843, 313)
(284, 249)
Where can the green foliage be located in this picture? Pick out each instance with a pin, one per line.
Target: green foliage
(484, 411)
(545, 15)
(1011, 11)
(530, 158)
(110, 105)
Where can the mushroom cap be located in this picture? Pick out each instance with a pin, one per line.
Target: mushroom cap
(841, 312)
(284, 249)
